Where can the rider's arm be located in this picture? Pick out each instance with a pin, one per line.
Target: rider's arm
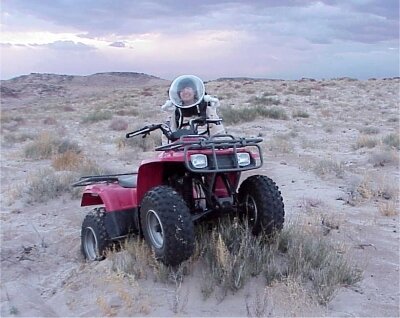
(214, 101)
(168, 106)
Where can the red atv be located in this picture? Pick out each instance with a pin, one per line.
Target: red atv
(194, 176)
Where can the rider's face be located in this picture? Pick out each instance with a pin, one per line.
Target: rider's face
(187, 95)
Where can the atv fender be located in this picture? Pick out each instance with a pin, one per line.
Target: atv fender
(150, 175)
(112, 196)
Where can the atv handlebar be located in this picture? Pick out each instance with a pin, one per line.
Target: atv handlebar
(194, 123)
(147, 129)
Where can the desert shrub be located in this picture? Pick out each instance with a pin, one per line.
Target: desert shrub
(369, 187)
(41, 148)
(273, 112)
(6, 118)
(365, 142)
(134, 259)
(68, 108)
(393, 120)
(46, 184)
(147, 91)
(384, 157)
(96, 117)
(369, 130)
(281, 143)
(392, 140)
(47, 145)
(247, 114)
(234, 116)
(12, 138)
(118, 124)
(49, 121)
(229, 255)
(65, 145)
(311, 256)
(300, 113)
(232, 255)
(264, 100)
(127, 112)
(388, 208)
(327, 166)
(69, 160)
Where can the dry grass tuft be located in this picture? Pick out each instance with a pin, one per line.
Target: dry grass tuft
(388, 208)
(12, 138)
(392, 140)
(46, 184)
(327, 166)
(364, 141)
(118, 124)
(230, 255)
(247, 114)
(264, 100)
(369, 130)
(49, 121)
(96, 117)
(384, 157)
(370, 187)
(281, 143)
(300, 113)
(259, 306)
(69, 160)
(134, 260)
(68, 108)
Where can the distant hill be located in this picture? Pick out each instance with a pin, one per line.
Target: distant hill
(94, 79)
(36, 85)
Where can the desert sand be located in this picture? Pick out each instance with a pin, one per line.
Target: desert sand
(334, 157)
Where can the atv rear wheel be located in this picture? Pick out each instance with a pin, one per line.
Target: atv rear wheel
(94, 237)
(167, 225)
(261, 202)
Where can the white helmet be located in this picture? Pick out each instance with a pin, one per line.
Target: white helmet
(186, 81)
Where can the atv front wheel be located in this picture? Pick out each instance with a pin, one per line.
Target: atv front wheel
(94, 237)
(167, 225)
(261, 202)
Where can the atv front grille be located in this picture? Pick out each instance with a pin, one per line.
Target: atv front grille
(221, 152)
(223, 161)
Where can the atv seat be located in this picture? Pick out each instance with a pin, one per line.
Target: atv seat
(128, 181)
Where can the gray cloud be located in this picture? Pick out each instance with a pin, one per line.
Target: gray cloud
(317, 21)
(118, 44)
(66, 46)
(274, 38)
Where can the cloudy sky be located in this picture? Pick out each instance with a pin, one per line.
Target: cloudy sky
(287, 39)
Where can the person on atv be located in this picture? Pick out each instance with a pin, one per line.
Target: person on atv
(188, 99)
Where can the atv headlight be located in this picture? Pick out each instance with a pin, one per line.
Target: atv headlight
(199, 161)
(243, 158)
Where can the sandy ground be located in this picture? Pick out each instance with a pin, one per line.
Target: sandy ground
(335, 161)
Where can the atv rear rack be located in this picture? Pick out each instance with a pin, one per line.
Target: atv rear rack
(218, 142)
(107, 178)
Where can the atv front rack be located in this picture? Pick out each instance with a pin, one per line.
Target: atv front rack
(219, 162)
